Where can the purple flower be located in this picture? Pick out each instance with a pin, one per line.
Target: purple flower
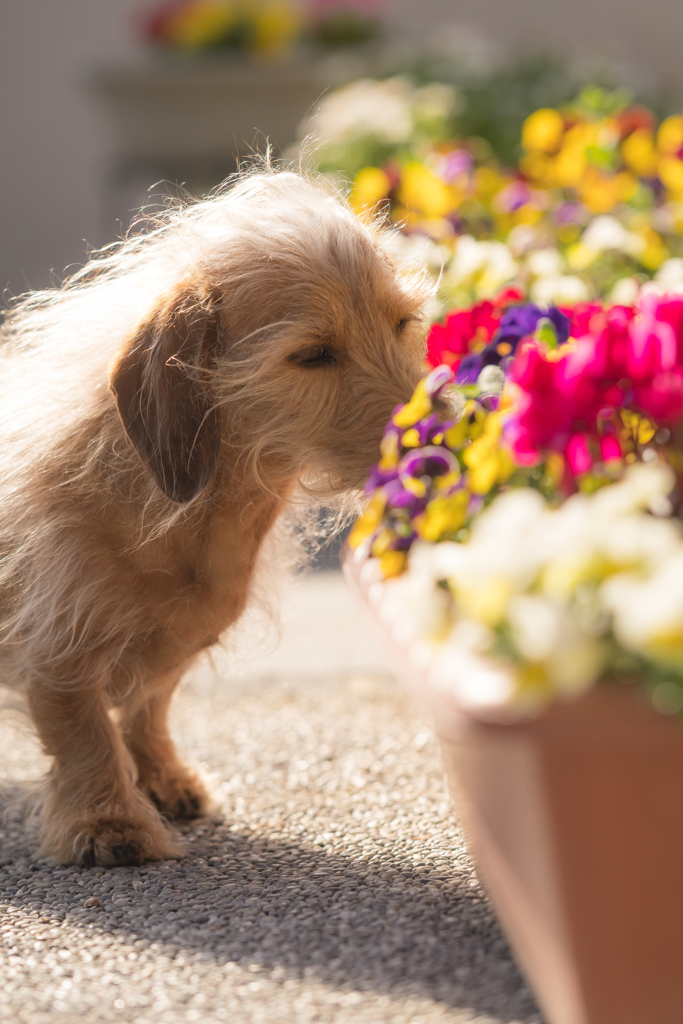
(427, 428)
(568, 213)
(513, 196)
(399, 497)
(437, 380)
(469, 369)
(431, 461)
(379, 478)
(519, 322)
(454, 165)
(561, 323)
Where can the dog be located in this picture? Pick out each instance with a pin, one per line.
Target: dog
(158, 412)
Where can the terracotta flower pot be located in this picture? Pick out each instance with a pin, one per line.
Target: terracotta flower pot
(575, 820)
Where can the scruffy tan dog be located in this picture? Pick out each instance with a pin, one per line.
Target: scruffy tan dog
(156, 415)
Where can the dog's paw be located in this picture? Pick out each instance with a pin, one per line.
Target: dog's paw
(177, 791)
(110, 840)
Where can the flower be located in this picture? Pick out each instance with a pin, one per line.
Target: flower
(538, 603)
(462, 329)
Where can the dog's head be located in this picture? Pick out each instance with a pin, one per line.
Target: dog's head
(284, 347)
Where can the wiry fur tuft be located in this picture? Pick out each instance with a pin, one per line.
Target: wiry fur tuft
(158, 413)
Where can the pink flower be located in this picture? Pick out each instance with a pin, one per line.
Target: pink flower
(578, 454)
(610, 449)
(652, 349)
(661, 398)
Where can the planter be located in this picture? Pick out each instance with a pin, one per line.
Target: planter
(166, 110)
(575, 820)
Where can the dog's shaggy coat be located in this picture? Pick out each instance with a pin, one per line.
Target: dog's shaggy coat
(157, 412)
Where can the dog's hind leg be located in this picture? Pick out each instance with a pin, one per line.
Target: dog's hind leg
(173, 786)
(93, 812)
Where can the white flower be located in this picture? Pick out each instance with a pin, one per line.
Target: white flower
(545, 263)
(606, 232)
(648, 611)
(565, 289)
(487, 264)
(670, 275)
(477, 683)
(434, 101)
(625, 291)
(416, 249)
(558, 580)
(535, 626)
(380, 109)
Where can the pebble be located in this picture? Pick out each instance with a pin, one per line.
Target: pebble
(333, 893)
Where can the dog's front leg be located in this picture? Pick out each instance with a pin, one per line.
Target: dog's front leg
(93, 812)
(170, 783)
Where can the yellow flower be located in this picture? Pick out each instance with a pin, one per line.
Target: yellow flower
(389, 450)
(200, 24)
(424, 191)
(487, 462)
(670, 170)
(537, 168)
(370, 185)
(487, 181)
(371, 518)
(580, 256)
(276, 27)
(554, 469)
(561, 576)
(392, 563)
(527, 214)
(542, 131)
(569, 166)
(381, 543)
(638, 150)
(655, 252)
(485, 600)
(670, 135)
(456, 435)
(419, 406)
(639, 427)
(411, 438)
(443, 516)
(601, 192)
(532, 680)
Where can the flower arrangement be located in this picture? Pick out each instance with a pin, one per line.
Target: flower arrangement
(525, 505)
(261, 27)
(593, 208)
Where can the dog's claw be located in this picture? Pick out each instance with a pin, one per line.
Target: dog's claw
(126, 855)
(88, 857)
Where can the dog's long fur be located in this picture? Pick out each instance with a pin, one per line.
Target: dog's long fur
(157, 413)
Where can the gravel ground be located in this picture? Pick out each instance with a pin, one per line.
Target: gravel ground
(332, 886)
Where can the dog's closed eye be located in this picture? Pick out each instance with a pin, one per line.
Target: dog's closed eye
(319, 355)
(403, 323)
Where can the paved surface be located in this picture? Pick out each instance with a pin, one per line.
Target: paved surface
(333, 887)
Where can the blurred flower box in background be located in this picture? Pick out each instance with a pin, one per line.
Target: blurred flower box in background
(222, 80)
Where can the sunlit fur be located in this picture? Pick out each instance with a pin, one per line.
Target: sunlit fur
(109, 589)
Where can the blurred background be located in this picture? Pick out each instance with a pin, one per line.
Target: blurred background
(104, 98)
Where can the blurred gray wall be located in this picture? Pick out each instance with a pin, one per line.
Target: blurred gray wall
(55, 150)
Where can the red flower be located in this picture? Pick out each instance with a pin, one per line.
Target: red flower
(461, 331)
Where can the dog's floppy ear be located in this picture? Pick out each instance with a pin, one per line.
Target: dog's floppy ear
(159, 382)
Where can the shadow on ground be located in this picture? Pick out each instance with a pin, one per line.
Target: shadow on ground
(396, 928)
